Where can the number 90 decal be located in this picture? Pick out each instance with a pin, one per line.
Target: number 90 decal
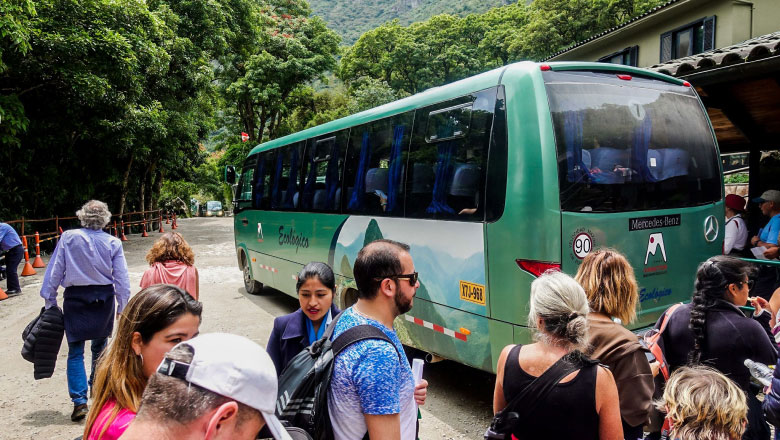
(582, 245)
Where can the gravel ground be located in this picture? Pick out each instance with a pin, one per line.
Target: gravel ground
(459, 399)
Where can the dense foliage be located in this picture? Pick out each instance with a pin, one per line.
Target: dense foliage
(446, 48)
(351, 18)
(138, 100)
(106, 99)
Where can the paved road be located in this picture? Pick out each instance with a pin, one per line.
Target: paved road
(459, 399)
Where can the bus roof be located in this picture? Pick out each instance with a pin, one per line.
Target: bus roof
(449, 91)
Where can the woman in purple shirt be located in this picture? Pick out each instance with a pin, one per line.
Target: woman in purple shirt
(90, 265)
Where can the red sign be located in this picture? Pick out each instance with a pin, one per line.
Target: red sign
(244, 137)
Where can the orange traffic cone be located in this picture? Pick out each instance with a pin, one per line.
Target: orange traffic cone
(28, 269)
(116, 231)
(174, 225)
(161, 224)
(122, 225)
(38, 262)
(3, 295)
(168, 219)
(144, 229)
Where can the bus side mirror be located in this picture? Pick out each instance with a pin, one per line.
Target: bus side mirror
(230, 174)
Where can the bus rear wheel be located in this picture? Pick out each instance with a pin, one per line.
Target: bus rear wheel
(252, 287)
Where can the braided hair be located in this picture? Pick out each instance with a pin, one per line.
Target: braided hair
(712, 280)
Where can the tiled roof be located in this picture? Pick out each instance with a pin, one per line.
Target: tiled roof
(757, 48)
(599, 35)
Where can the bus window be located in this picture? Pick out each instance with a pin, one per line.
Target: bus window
(630, 146)
(244, 189)
(322, 172)
(448, 158)
(261, 195)
(285, 185)
(495, 188)
(373, 182)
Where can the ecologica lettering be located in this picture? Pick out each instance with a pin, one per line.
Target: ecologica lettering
(290, 239)
(656, 293)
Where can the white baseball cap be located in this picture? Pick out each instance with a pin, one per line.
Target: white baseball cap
(770, 195)
(234, 367)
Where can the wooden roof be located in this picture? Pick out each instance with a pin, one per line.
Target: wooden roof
(740, 86)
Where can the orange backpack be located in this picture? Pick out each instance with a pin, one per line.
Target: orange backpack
(652, 337)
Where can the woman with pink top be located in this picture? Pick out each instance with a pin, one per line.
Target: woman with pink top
(171, 260)
(155, 319)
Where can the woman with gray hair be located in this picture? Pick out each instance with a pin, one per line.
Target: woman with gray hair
(90, 265)
(584, 402)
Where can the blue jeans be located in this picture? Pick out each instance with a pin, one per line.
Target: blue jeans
(12, 260)
(77, 374)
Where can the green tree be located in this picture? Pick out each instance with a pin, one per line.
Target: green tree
(290, 49)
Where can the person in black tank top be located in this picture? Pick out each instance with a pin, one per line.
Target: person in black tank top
(584, 405)
(545, 420)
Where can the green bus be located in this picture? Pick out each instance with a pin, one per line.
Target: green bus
(492, 180)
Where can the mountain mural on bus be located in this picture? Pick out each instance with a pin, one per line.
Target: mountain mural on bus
(444, 253)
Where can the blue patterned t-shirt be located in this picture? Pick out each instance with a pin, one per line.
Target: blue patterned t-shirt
(369, 377)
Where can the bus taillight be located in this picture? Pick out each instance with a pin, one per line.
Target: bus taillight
(624, 77)
(686, 84)
(537, 268)
(545, 67)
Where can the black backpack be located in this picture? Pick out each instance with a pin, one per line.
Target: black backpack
(304, 383)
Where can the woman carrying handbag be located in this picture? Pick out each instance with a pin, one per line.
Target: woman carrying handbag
(569, 393)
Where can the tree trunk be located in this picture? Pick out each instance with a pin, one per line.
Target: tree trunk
(272, 126)
(152, 174)
(156, 191)
(142, 194)
(125, 178)
(261, 129)
(246, 113)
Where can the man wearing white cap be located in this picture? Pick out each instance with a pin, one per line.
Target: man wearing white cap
(768, 277)
(214, 386)
(769, 203)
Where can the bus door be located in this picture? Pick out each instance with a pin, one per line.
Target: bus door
(639, 172)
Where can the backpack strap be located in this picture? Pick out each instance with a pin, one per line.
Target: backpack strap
(356, 334)
(525, 402)
(667, 315)
(332, 326)
(655, 348)
(537, 390)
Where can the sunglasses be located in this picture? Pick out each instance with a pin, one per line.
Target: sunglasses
(412, 277)
(748, 282)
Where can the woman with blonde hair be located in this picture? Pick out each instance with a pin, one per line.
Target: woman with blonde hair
(611, 288)
(703, 404)
(172, 262)
(156, 319)
(585, 401)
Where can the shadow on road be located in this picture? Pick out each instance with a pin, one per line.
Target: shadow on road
(46, 418)
(272, 301)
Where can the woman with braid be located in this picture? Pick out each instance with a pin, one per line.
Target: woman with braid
(713, 331)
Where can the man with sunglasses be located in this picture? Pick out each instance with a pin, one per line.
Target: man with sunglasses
(372, 390)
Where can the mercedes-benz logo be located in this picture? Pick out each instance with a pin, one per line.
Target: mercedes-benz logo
(710, 228)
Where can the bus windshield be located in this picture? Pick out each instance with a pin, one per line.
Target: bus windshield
(213, 206)
(630, 143)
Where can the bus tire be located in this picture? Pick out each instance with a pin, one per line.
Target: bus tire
(252, 287)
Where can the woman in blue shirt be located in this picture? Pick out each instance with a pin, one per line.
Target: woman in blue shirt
(296, 331)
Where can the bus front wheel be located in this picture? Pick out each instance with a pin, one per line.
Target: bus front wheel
(252, 287)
